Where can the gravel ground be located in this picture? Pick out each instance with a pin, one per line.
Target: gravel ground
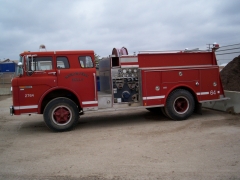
(120, 145)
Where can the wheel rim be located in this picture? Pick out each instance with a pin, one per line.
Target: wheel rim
(61, 115)
(181, 105)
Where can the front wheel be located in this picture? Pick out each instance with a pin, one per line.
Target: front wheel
(180, 104)
(61, 114)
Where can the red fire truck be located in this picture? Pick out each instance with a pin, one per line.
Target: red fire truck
(62, 85)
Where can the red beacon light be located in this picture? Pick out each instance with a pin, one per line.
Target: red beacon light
(215, 46)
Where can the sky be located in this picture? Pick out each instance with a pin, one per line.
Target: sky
(102, 25)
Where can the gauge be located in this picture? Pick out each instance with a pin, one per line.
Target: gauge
(124, 70)
(135, 70)
(129, 70)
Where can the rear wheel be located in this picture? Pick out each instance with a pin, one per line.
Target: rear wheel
(61, 114)
(180, 104)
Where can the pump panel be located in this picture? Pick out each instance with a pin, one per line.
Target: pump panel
(125, 85)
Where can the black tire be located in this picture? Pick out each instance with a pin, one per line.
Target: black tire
(164, 113)
(180, 104)
(61, 114)
(156, 110)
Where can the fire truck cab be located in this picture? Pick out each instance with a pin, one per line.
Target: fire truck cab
(61, 85)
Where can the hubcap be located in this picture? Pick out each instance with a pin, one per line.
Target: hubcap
(181, 105)
(61, 115)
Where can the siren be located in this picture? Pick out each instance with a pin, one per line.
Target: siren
(42, 47)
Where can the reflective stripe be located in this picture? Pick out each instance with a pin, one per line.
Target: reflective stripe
(129, 59)
(25, 87)
(153, 97)
(89, 102)
(202, 93)
(26, 107)
(129, 66)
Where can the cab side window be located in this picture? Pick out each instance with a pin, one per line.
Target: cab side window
(40, 63)
(62, 62)
(85, 61)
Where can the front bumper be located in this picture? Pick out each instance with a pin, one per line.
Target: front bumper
(11, 110)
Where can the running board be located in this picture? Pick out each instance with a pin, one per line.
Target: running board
(122, 109)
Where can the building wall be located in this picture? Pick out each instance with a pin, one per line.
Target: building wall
(7, 67)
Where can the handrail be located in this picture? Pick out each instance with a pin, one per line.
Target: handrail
(95, 88)
(172, 51)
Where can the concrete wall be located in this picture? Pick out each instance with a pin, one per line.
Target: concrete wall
(5, 91)
(231, 106)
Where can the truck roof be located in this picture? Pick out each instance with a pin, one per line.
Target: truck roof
(58, 52)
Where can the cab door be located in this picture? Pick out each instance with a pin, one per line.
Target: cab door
(76, 72)
(40, 77)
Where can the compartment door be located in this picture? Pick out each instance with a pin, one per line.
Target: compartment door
(210, 85)
(151, 92)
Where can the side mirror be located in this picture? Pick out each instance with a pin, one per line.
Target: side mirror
(20, 64)
(20, 69)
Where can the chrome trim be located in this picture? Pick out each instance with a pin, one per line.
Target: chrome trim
(94, 108)
(202, 93)
(153, 97)
(25, 107)
(122, 109)
(89, 102)
(95, 88)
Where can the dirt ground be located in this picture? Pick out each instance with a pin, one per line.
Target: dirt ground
(120, 145)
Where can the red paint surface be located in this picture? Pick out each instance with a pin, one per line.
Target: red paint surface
(198, 73)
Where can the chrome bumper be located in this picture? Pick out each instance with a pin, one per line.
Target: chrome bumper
(11, 110)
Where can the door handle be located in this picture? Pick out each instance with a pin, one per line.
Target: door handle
(54, 73)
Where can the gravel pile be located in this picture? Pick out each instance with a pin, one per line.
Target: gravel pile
(230, 75)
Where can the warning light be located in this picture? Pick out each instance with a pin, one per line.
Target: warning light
(215, 46)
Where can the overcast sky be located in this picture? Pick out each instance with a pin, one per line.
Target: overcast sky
(101, 25)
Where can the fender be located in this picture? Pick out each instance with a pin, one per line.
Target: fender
(180, 86)
(56, 88)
